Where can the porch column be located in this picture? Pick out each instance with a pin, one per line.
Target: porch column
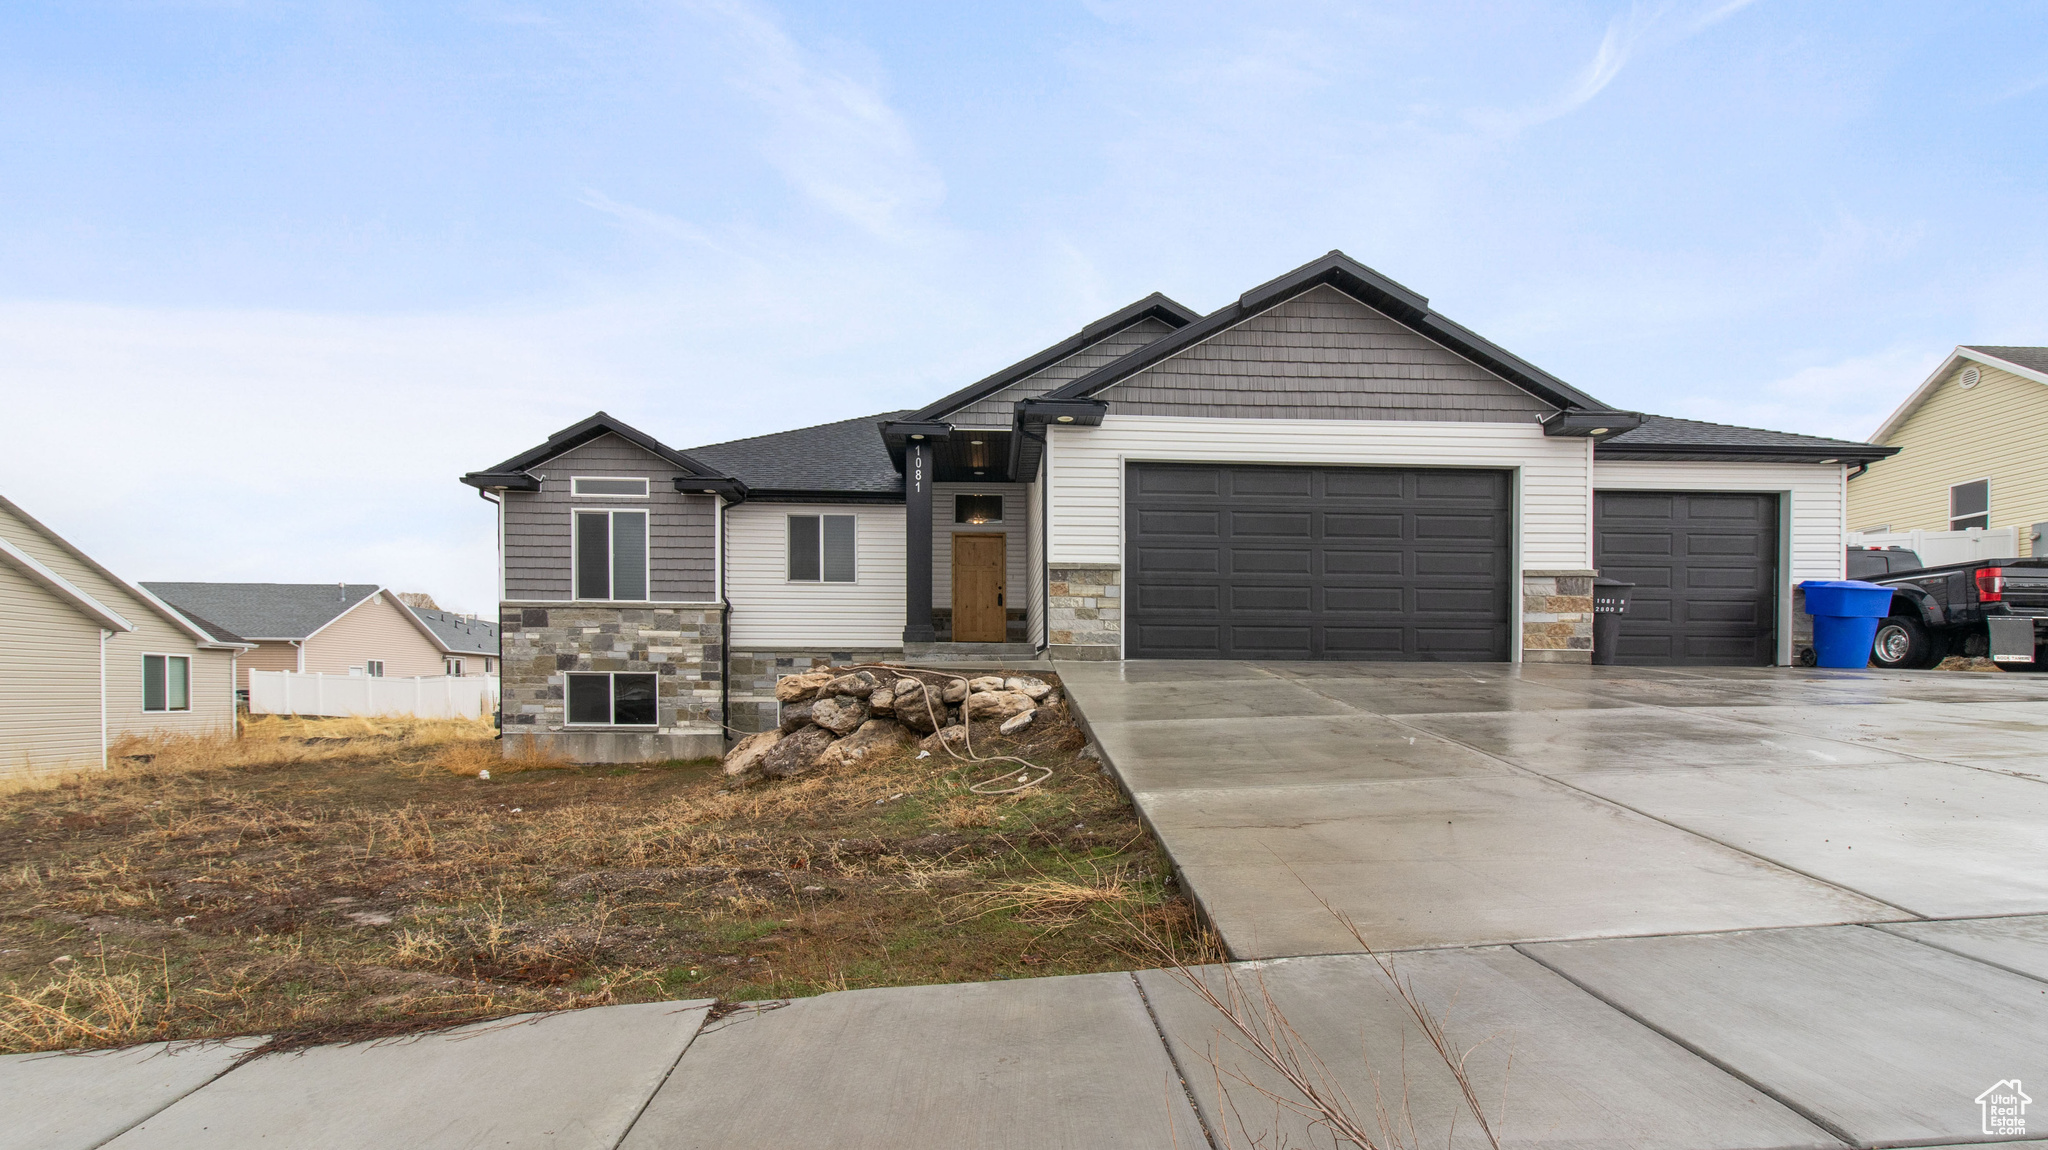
(917, 542)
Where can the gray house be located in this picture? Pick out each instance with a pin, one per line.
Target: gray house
(1325, 468)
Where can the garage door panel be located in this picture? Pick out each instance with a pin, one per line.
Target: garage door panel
(1348, 526)
(1362, 642)
(1271, 598)
(1257, 481)
(1167, 597)
(1267, 523)
(1307, 554)
(1248, 561)
(1352, 600)
(1199, 524)
(1361, 483)
(1705, 569)
(1351, 562)
(1164, 559)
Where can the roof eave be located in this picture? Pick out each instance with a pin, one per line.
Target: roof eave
(1847, 453)
(582, 432)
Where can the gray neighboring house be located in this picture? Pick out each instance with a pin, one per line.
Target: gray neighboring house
(335, 629)
(1324, 468)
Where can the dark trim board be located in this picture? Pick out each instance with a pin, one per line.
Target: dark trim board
(1232, 561)
(1707, 571)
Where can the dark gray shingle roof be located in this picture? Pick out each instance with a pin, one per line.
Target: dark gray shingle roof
(264, 610)
(847, 457)
(463, 634)
(2033, 357)
(1665, 433)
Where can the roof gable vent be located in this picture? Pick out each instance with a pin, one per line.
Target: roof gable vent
(1969, 378)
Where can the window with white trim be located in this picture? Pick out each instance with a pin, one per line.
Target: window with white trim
(608, 486)
(611, 556)
(452, 667)
(1969, 505)
(821, 548)
(166, 683)
(613, 699)
(374, 668)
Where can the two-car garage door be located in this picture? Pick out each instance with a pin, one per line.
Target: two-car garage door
(1368, 563)
(1245, 562)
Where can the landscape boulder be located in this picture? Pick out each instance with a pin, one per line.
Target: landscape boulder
(839, 714)
(874, 736)
(745, 759)
(795, 688)
(920, 709)
(796, 716)
(883, 701)
(956, 690)
(859, 684)
(1036, 688)
(985, 683)
(1017, 722)
(997, 705)
(794, 754)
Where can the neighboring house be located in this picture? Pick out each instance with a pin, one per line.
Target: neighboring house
(469, 645)
(1973, 442)
(87, 658)
(1323, 469)
(330, 628)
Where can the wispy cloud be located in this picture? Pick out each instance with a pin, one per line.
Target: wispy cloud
(1643, 27)
(835, 137)
(1845, 399)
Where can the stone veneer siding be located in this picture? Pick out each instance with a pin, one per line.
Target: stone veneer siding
(1084, 613)
(543, 643)
(752, 697)
(1557, 616)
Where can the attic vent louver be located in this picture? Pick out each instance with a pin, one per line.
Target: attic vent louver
(1969, 378)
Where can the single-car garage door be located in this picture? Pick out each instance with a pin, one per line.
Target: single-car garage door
(1229, 562)
(1705, 566)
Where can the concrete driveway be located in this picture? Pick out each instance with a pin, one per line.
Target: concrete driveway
(1456, 805)
(1651, 910)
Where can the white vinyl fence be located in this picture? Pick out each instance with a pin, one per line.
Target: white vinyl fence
(435, 697)
(1938, 547)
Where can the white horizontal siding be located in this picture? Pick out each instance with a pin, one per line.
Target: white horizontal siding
(769, 610)
(1817, 515)
(1086, 466)
(1813, 514)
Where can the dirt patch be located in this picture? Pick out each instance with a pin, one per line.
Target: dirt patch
(374, 886)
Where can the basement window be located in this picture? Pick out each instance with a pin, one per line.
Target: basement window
(166, 683)
(1969, 505)
(619, 699)
(977, 509)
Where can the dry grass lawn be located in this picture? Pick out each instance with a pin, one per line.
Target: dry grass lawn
(339, 878)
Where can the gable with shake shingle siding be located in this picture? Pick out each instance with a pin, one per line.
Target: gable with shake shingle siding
(996, 410)
(1323, 355)
(538, 531)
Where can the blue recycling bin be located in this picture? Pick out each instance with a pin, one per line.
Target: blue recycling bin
(1845, 617)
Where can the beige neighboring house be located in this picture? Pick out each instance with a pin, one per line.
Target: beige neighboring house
(335, 629)
(88, 658)
(1974, 449)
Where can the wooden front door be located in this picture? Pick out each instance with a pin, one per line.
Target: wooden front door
(978, 589)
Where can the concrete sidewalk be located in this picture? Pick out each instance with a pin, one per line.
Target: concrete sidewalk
(1803, 1037)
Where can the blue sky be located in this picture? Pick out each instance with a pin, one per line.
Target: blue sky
(273, 274)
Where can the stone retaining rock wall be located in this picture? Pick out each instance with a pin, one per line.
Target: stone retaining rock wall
(1084, 613)
(755, 672)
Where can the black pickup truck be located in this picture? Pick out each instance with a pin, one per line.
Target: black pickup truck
(1990, 607)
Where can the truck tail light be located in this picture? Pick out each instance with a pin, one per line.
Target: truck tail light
(1991, 585)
